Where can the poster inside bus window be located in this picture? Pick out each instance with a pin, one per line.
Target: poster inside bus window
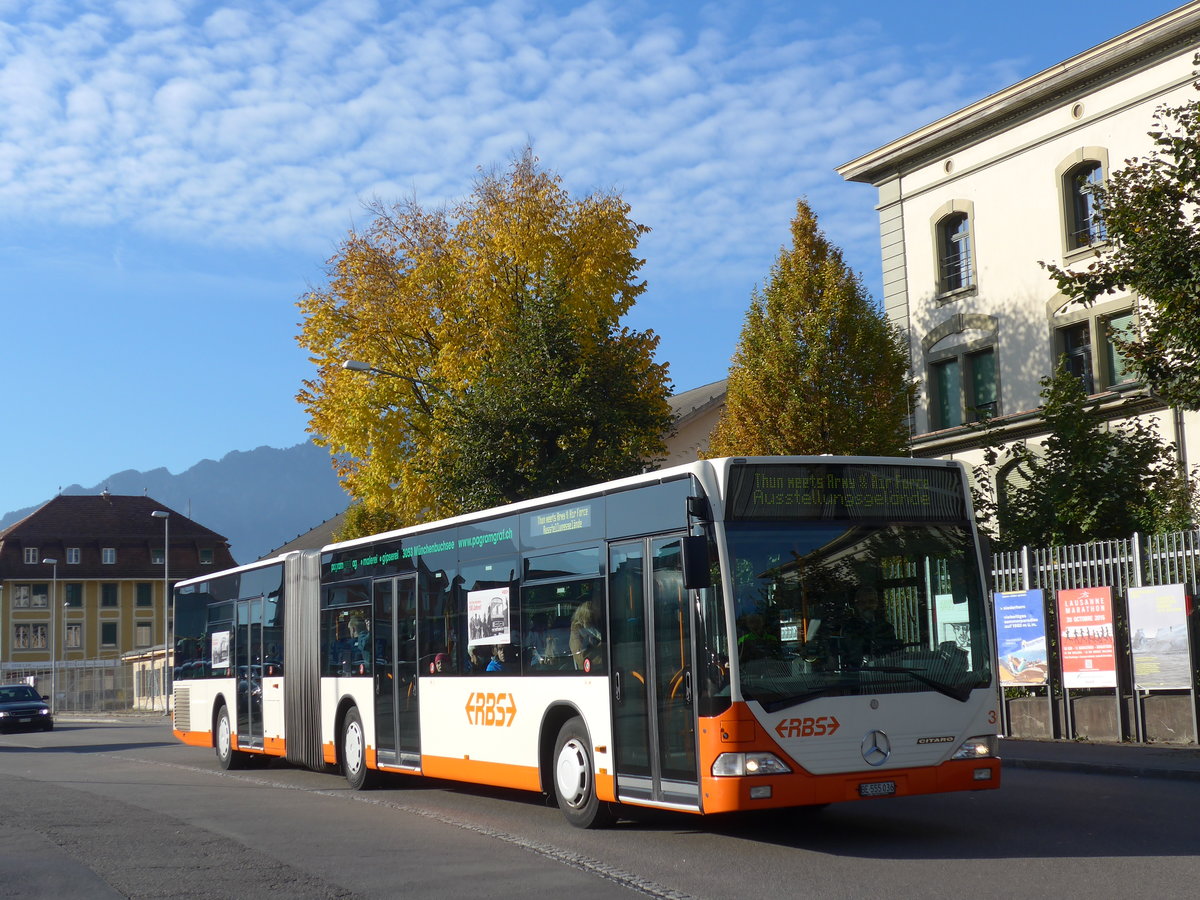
(488, 617)
(220, 649)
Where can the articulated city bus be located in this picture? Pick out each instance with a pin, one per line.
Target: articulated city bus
(732, 634)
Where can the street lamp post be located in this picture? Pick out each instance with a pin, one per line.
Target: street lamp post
(354, 365)
(53, 632)
(166, 517)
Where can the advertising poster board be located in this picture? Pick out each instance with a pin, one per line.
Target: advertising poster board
(487, 617)
(1085, 627)
(1159, 637)
(1021, 636)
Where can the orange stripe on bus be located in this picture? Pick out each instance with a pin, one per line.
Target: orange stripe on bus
(525, 778)
(606, 786)
(194, 738)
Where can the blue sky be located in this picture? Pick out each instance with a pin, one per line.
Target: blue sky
(174, 174)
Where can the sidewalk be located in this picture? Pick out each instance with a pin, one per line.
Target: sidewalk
(1178, 761)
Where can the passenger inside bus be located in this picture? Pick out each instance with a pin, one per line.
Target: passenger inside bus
(478, 657)
(500, 659)
(586, 638)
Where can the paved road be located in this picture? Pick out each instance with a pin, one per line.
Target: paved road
(96, 810)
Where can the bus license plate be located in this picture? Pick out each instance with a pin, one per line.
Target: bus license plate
(877, 789)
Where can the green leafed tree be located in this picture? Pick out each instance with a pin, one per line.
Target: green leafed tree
(555, 411)
(1150, 211)
(1088, 481)
(488, 318)
(818, 367)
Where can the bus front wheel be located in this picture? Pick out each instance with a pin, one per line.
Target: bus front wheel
(354, 752)
(227, 757)
(574, 778)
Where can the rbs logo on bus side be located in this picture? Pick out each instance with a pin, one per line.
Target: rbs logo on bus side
(807, 727)
(491, 709)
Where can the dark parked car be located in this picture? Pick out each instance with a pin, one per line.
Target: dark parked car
(22, 709)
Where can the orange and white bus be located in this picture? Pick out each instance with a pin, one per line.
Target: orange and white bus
(732, 634)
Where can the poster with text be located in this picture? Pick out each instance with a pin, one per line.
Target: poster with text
(1021, 636)
(1159, 636)
(220, 649)
(1085, 628)
(487, 617)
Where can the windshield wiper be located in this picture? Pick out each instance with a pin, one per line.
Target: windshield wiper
(959, 692)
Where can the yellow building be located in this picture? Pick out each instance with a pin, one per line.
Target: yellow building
(82, 578)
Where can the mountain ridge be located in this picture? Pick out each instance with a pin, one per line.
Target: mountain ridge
(258, 499)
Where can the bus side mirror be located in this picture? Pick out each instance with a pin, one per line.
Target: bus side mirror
(695, 562)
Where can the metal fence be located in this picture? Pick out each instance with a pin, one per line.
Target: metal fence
(92, 685)
(1138, 561)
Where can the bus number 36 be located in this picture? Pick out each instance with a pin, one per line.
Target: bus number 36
(491, 709)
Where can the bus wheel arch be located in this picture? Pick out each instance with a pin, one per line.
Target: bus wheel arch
(552, 722)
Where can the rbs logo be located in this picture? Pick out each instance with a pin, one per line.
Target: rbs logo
(497, 710)
(807, 727)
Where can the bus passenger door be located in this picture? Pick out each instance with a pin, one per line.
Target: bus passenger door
(394, 643)
(654, 727)
(248, 669)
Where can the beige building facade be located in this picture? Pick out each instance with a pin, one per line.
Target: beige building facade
(972, 204)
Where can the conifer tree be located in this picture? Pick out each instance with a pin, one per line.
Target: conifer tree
(818, 368)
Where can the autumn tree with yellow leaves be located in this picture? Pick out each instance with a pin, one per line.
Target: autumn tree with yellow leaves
(497, 323)
(818, 368)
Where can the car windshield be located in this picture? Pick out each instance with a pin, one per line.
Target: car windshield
(828, 608)
(17, 692)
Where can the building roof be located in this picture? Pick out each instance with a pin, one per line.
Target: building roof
(106, 520)
(313, 539)
(689, 404)
(1170, 33)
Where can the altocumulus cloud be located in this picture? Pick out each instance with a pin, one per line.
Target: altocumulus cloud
(268, 122)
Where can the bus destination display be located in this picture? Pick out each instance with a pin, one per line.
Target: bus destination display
(845, 492)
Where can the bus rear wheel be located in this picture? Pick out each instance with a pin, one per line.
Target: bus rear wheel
(574, 778)
(227, 757)
(354, 752)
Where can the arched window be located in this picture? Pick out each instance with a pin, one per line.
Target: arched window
(954, 252)
(1083, 222)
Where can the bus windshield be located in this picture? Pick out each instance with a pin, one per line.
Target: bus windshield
(849, 608)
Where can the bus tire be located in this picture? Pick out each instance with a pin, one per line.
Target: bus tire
(353, 752)
(227, 757)
(574, 778)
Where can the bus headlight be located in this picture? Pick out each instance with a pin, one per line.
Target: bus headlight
(749, 764)
(978, 747)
